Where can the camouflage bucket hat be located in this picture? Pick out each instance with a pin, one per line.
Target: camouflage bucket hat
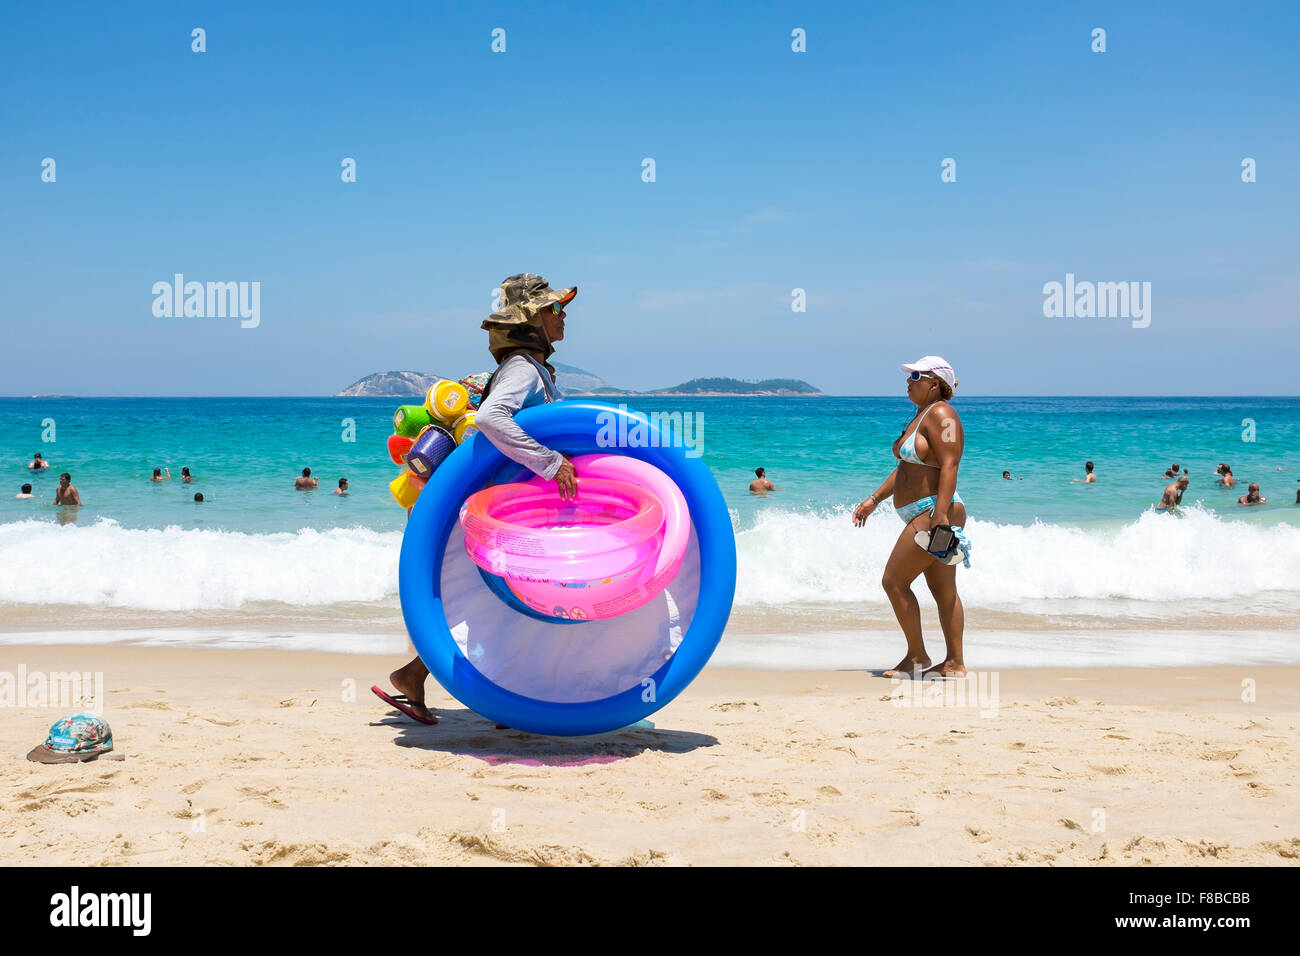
(74, 739)
(522, 297)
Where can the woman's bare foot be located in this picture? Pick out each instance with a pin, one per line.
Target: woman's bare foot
(409, 680)
(909, 667)
(947, 669)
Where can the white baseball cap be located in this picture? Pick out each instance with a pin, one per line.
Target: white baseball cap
(935, 364)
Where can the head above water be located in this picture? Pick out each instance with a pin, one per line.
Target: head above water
(27, 489)
(1184, 481)
(157, 472)
(1087, 466)
(65, 478)
(185, 472)
(343, 482)
(198, 496)
(760, 472)
(306, 472)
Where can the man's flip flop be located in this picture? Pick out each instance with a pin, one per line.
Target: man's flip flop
(400, 702)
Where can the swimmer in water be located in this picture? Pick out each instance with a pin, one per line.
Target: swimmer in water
(1088, 477)
(38, 463)
(760, 485)
(186, 477)
(198, 496)
(1006, 476)
(66, 493)
(305, 482)
(1173, 495)
(1226, 478)
(342, 489)
(25, 493)
(1252, 496)
(158, 475)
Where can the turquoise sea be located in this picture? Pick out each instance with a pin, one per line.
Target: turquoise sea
(1049, 553)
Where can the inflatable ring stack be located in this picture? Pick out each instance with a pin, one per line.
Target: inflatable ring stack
(568, 616)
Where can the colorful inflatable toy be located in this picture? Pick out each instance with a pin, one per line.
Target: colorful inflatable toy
(544, 669)
(607, 551)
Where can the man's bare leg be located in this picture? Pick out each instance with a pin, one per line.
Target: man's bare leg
(409, 680)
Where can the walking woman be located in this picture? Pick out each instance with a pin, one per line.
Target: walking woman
(924, 488)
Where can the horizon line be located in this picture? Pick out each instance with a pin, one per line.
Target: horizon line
(647, 394)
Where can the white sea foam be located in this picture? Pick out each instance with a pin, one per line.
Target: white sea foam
(786, 559)
(792, 558)
(175, 569)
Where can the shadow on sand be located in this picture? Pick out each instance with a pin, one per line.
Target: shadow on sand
(465, 733)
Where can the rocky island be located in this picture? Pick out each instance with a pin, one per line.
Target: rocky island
(575, 381)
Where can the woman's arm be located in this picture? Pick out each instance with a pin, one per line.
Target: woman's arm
(514, 384)
(947, 439)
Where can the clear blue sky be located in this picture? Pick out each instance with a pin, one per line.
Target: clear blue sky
(775, 170)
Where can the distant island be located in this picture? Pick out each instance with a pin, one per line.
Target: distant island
(736, 386)
(575, 381)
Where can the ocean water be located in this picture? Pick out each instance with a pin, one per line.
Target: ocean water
(1050, 555)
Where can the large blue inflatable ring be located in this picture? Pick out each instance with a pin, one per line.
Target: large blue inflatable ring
(435, 575)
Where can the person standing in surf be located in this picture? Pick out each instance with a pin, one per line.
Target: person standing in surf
(924, 488)
(1173, 496)
(521, 337)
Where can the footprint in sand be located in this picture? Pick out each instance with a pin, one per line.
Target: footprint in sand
(1108, 771)
(263, 795)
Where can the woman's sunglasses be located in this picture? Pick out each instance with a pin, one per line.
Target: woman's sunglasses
(917, 376)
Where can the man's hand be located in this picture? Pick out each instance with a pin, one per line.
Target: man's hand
(566, 478)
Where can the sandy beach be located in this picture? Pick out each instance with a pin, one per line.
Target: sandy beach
(238, 757)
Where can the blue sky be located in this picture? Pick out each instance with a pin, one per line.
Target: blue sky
(775, 170)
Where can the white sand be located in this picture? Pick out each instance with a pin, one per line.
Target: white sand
(252, 757)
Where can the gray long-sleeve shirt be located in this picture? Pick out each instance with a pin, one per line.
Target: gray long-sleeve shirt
(521, 382)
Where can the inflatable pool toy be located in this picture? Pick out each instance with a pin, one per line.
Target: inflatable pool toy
(431, 448)
(553, 673)
(607, 551)
(408, 420)
(398, 446)
(463, 427)
(446, 400)
(406, 488)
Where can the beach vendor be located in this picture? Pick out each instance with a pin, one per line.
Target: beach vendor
(522, 334)
(924, 488)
